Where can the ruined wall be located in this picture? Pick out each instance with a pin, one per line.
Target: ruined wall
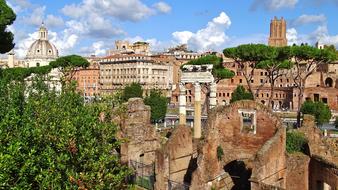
(172, 161)
(297, 172)
(141, 139)
(224, 130)
(323, 173)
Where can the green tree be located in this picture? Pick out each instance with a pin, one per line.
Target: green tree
(295, 142)
(68, 66)
(219, 71)
(7, 17)
(276, 65)
(158, 105)
(54, 141)
(319, 110)
(134, 90)
(307, 60)
(247, 57)
(240, 94)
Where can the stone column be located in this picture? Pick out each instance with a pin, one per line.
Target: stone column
(213, 89)
(197, 112)
(182, 105)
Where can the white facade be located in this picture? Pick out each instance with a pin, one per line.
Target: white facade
(41, 52)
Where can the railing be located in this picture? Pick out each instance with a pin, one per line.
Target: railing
(144, 174)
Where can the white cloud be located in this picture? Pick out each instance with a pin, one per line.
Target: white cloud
(36, 17)
(212, 37)
(308, 19)
(97, 48)
(272, 5)
(292, 36)
(131, 10)
(162, 7)
(54, 21)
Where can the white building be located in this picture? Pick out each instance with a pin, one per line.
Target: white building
(42, 51)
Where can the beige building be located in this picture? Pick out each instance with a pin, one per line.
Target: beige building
(278, 33)
(125, 47)
(117, 71)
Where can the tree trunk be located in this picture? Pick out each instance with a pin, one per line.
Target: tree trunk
(300, 101)
(272, 91)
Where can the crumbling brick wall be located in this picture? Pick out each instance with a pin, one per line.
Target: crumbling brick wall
(173, 159)
(139, 136)
(262, 152)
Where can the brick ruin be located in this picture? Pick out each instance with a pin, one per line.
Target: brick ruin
(242, 147)
(251, 158)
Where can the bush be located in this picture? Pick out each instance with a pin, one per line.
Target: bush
(158, 105)
(240, 94)
(134, 90)
(295, 142)
(54, 141)
(319, 110)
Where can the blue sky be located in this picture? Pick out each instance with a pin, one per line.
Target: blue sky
(91, 26)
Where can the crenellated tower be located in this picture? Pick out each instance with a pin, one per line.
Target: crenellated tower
(278, 33)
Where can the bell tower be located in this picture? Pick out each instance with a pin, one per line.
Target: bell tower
(278, 33)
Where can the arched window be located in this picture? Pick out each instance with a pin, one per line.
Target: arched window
(329, 82)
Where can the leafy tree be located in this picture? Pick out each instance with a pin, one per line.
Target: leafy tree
(68, 65)
(276, 66)
(240, 94)
(219, 71)
(7, 17)
(295, 142)
(133, 90)
(247, 57)
(54, 141)
(158, 105)
(319, 110)
(306, 60)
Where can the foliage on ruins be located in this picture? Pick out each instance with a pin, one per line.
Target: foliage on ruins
(134, 90)
(219, 71)
(319, 110)
(158, 104)
(7, 17)
(54, 141)
(295, 142)
(220, 153)
(240, 93)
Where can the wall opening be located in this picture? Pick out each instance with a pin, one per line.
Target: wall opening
(239, 174)
(248, 121)
(329, 82)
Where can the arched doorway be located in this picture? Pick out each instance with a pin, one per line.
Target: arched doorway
(329, 82)
(239, 174)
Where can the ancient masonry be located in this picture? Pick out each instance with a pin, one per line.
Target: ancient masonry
(278, 33)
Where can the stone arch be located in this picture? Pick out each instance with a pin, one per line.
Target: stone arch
(239, 173)
(328, 82)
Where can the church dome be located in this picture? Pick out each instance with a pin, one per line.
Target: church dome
(42, 48)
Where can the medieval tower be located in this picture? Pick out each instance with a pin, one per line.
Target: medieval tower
(278, 33)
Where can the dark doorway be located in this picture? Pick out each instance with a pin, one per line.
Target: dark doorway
(329, 82)
(240, 175)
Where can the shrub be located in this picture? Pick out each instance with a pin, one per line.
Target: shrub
(220, 153)
(295, 142)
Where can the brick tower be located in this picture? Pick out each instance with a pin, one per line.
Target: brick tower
(278, 33)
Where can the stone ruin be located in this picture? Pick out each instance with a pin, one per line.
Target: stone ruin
(252, 141)
(242, 147)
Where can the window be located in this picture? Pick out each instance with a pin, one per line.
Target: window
(228, 94)
(240, 80)
(248, 121)
(261, 73)
(262, 80)
(38, 64)
(252, 81)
